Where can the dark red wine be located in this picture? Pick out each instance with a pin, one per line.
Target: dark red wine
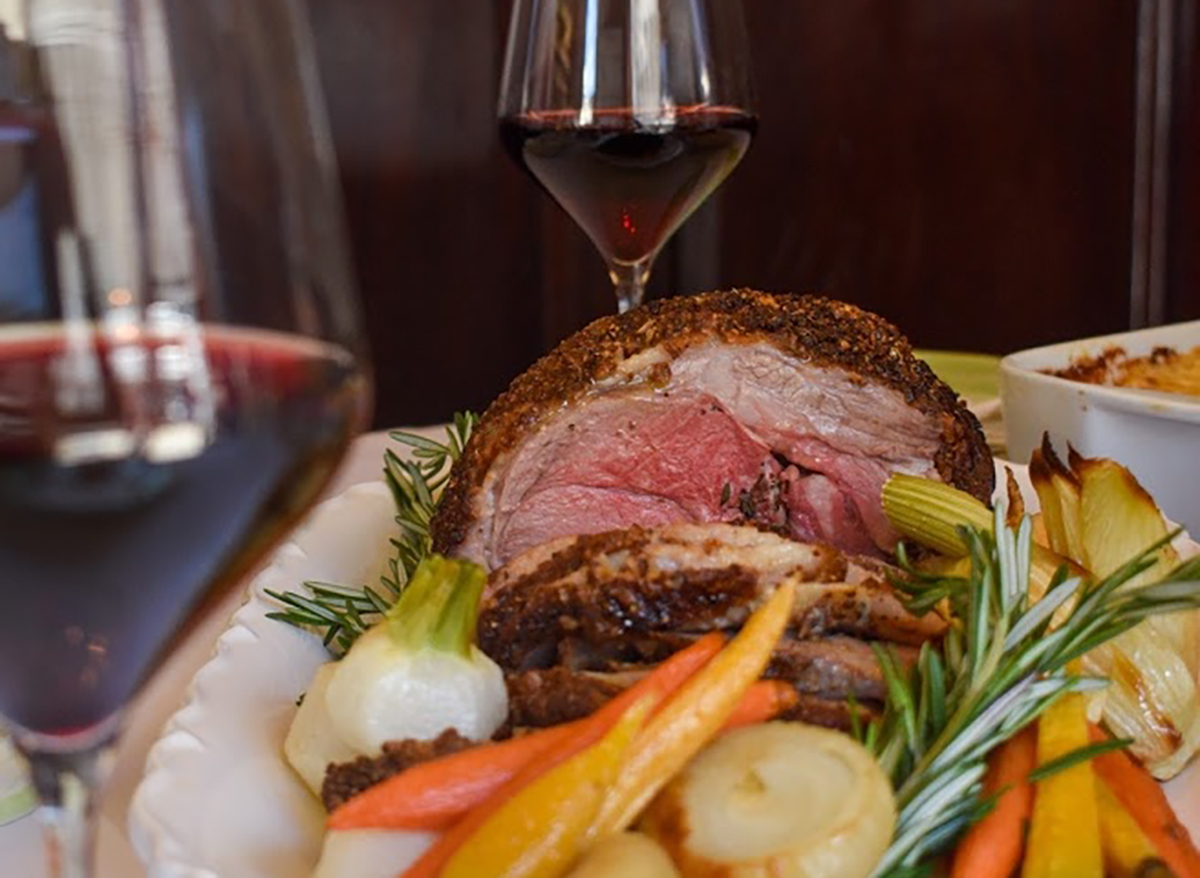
(136, 481)
(629, 185)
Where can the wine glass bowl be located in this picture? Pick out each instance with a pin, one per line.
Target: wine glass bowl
(182, 359)
(629, 113)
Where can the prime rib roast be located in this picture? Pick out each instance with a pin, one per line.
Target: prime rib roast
(780, 411)
(661, 470)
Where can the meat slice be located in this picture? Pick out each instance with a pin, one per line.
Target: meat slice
(826, 672)
(599, 600)
(789, 412)
(551, 696)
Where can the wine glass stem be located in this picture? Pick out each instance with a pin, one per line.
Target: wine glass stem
(629, 281)
(66, 784)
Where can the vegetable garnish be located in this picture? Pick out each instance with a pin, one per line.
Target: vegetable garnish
(777, 799)
(992, 847)
(433, 794)
(1101, 517)
(1064, 834)
(342, 613)
(1127, 849)
(694, 714)
(419, 672)
(540, 829)
(1145, 800)
(999, 667)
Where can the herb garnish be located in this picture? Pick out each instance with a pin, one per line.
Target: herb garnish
(342, 613)
(998, 668)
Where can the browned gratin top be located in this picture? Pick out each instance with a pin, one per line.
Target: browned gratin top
(1164, 369)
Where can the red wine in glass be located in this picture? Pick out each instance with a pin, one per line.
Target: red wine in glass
(113, 533)
(630, 185)
(182, 359)
(629, 113)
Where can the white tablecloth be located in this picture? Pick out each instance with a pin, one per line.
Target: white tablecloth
(20, 842)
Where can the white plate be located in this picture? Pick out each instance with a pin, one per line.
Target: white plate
(217, 798)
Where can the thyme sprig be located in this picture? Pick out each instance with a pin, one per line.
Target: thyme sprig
(999, 667)
(341, 613)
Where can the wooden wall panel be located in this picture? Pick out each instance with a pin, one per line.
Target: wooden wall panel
(1183, 227)
(440, 224)
(963, 168)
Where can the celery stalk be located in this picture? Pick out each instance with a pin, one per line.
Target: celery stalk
(931, 513)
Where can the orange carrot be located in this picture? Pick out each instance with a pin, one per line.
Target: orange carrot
(992, 847)
(659, 683)
(1142, 797)
(764, 700)
(432, 795)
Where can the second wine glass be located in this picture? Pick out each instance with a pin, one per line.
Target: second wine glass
(629, 113)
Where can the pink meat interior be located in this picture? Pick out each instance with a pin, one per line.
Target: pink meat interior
(740, 433)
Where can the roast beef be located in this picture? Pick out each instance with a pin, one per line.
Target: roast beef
(603, 596)
(787, 412)
(576, 619)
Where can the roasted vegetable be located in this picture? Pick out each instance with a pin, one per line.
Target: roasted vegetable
(933, 514)
(1095, 509)
(693, 715)
(418, 672)
(1064, 834)
(312, 742)
(1128, 853)
(626, 855)
(539, 832)
(781, 799)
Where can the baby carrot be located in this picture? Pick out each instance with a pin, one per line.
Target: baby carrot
(658, 684)
(1141, 795)
(992, 847)
(432, 795)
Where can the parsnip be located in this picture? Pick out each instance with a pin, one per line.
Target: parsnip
(370, 853)
(779, 799)
(312, 742)
(625, 855)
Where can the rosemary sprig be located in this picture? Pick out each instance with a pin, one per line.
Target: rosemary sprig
(341, 613)
(999, 667)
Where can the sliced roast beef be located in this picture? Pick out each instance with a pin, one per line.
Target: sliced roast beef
(594, 600)
(825, 672)
(788, 412)
(577, 619)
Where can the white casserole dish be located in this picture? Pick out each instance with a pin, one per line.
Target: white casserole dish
(1156, 435)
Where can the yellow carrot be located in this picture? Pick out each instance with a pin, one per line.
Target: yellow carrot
(539, 831)
(1064, 833)
(693, 715)
(1128, 852)
(1145, 800)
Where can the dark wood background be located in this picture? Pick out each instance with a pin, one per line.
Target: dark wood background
(974, 170)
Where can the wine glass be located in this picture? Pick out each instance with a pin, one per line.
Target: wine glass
(181, 353)
(629, 113)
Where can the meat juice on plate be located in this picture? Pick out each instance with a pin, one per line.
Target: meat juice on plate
(630, 185)
(189, 461)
